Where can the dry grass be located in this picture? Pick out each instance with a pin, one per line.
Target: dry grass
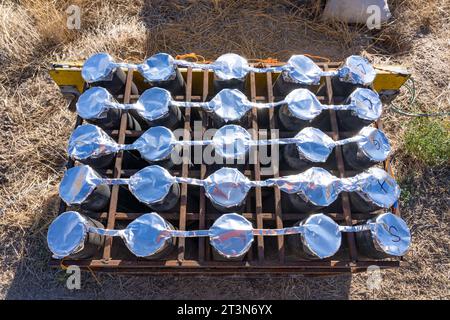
(35, 124)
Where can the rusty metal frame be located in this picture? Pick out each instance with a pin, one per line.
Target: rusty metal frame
(257, 261)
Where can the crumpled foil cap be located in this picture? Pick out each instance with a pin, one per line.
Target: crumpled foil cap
(357, 70)
(78, 183)
(159, 67)
(303, 104)
(229, 104)
(147, 235)
(317, 185)
(367, 104)
(98, 67)
(231, 235)
(89, 141)
(232, 141)
(379, 187)
(303, 70)
(155, 144)
(315, 145)
(322, 235)
(151, 184)
(227, 187)
(230, 66)
(92, 103)
(66, 234)
(376, 147)
(391, 234)
(154, 103)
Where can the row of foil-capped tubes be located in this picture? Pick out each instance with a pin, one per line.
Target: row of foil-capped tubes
(230, 69)
(91, 145)
(227, 188)
(150, 236)
(300, 108)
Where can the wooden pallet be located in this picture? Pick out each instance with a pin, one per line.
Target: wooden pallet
(194, 256)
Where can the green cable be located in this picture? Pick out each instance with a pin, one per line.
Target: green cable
(412, 99)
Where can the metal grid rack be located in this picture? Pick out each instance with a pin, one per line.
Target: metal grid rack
(194, 256)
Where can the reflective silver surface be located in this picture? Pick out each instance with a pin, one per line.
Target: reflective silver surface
(66, 234)
(155, 144)
(378, 187)
(391, 235)
(321, 235)
(303, 104)
(230, 66)
(229, 104)
(227, 187)
(78, 183)
(231, 235)
(151, 184)
(314, 145)
(89, 141)
(366, 104)
(92, 104)
(159, 67)
(232, 141)
(147, 235)
(98, 67)
(316, 185)
(154, 103)
(357, 70)
(376, 145)
(302, 70)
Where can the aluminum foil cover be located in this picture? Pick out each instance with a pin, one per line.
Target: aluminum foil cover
(357, 70)
(367, 104)
(232, 142)
(227, 187)
(376, 145)
(231, 235)
(151, 184)
(314, 145)
(155, 144)
(303, 70)
(154, 103)
(230, 66)
(317, 185)
(89, 141)
(98, 67)
(378, 187)
(321, 235)
(391, 234)
(229, 104)
(92, 103)
(78, 183)
(66, 234)
(147, 235)
(159, 67)
(303, 104)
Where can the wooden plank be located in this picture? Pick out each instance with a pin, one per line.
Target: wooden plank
(257, 170)
(185, 167)
(117, 170)
(340, 164)
(202, 205)
(277, 193)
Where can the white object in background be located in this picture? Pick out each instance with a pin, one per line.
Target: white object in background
(357, 11)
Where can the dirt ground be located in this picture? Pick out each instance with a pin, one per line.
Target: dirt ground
(35, 125)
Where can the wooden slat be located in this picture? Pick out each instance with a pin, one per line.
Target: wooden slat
(202, 204)
(277, 193)
(117, 170)
(185, 167)
(340, 164)
(257, 170)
